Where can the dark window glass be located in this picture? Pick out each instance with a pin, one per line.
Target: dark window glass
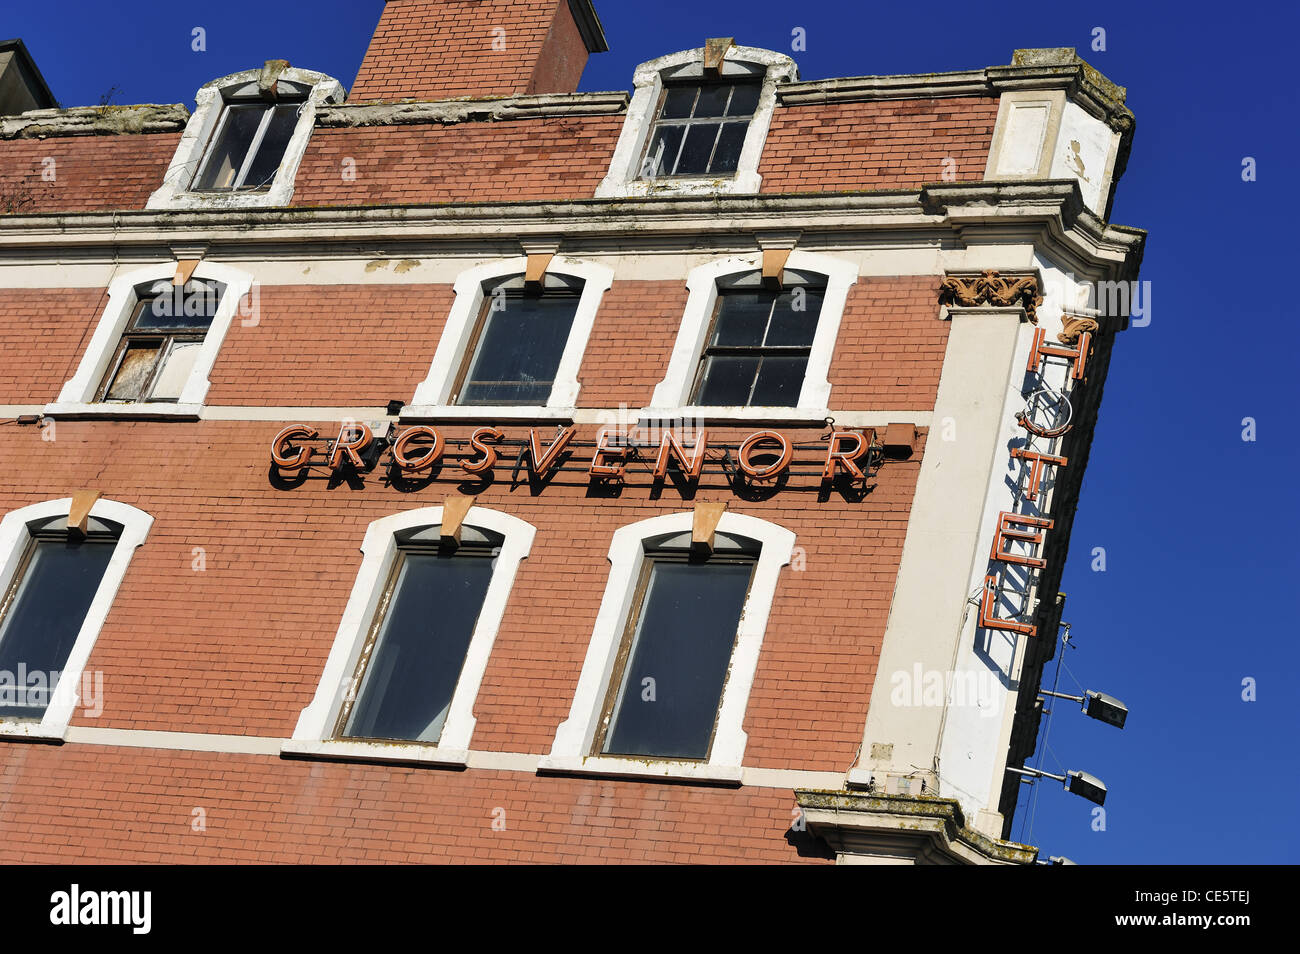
(679, 101)
(691, 138)
(712, 101)
(728, 381)
(726, 157)
(225, 161)
(45, 610)
(744, 100)
(161, 342)
(433, 604)
(697, 150)
(757, 350)
(279, 129)
(663, 152)
(518, 349)
(248, 147)
(677, 663)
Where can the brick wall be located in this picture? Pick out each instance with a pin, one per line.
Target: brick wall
(332, 346)
(891, 344)
(835, 147)
(92, 173)
(424, 49)
(894, 144)
(563, 158)
(364, 345)
(43, 332)
(88, 804)
(237, 646)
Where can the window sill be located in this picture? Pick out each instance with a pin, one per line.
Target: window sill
(447, 412)
(740, 183)
(401, 753)
(792, 416)
(640, 768)
(29, 731)
(147, 411)
(275, 196)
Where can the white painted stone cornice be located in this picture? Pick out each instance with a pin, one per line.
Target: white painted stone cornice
(1050, 215)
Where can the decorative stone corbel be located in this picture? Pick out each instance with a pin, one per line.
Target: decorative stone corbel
(991, 287)
(1076, 325)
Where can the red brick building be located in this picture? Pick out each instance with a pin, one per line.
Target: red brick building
(470, 469)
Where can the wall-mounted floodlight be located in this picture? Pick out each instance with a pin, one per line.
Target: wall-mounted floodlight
(1096, 705)
(1080, 783)
(1056, 860)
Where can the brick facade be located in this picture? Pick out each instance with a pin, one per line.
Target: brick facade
(84, 174)
(220, 631)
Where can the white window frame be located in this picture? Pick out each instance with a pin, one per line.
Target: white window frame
(433, 393)
(672, 393)
(210, 101)
(624, 178)
(77, 397)
(14, 535)
(571, 750)
(314, 734)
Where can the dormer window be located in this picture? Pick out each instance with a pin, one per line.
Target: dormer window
(248, 147)
(692, 130)
(243, 144)
(700, 129)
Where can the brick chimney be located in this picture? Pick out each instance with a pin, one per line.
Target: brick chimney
(444, 49)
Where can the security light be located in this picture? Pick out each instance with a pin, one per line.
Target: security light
(1105, 708)
(1096, 705)
(1087, 786)
(1080, 783)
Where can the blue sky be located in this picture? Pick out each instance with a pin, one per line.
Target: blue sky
(1198, 525)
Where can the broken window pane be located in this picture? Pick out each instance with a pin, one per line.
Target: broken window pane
(47, 611)
(677, 665)
(162, 342)
(412, 672)
(661, 160)
(519, 349)
(134, 371)
(175, 371)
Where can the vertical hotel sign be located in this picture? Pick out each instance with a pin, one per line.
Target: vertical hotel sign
(1018, 535)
